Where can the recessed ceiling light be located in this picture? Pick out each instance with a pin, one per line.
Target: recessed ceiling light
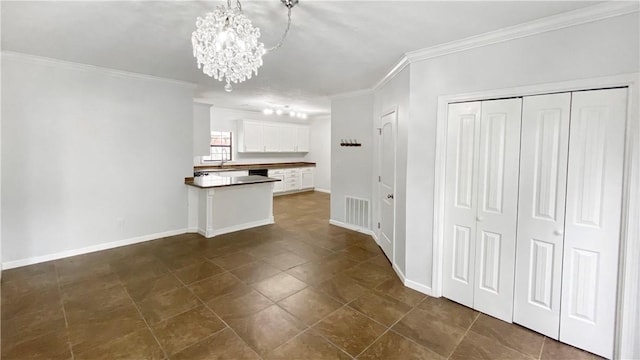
(267, 111)
(279, 112)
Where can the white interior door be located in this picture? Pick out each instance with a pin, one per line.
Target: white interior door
(592, 224)
(386, 189)
(496, 221)
(460, 202)
(543, 177)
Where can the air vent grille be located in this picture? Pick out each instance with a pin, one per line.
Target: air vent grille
(357, 212)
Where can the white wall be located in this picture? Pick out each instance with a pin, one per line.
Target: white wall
(201, 131)
(601, 48)
(0, 161)
(89, 156)
(351, 167)
(395, 94)
(320, 151)
(227, 120)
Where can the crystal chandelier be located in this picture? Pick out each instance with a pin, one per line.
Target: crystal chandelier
(226, 45)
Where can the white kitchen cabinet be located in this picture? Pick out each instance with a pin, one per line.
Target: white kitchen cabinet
(278, 187)
(270, 137)
(302, 138)
(288, 138)
(306, 178)
(250, 137)
(292, 179)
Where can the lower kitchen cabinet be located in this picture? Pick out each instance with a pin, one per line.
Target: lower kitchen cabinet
(278, 187)
(306, 178)
(292, 179)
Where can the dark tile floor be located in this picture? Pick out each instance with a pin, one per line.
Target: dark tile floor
(299, 289)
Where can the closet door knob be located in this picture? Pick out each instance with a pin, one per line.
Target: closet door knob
(479, 218)
(558, 232)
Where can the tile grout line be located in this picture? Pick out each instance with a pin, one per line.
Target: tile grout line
(544, 341)
(64, 312)
(325, 338)
(464, 335)
(201, 340)
(388, 328)
(227, 326)
(144, 319)
(358, 263)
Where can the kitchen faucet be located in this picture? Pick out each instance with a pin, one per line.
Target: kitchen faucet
(223, 157)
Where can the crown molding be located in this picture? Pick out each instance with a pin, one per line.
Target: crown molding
(91, 68)
(572, 18)
(400, 65)
(349, 94)
(539, 26)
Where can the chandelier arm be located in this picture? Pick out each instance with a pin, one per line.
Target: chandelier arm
(284, 35)
(229, 4)
(238, 4)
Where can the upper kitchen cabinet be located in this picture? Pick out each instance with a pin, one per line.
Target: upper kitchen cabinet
(250, 136)
(262, 136)
(271, 137)
(302, 138)
(288, 138)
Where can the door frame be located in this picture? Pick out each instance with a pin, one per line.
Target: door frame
(629, 267)
(393, 110)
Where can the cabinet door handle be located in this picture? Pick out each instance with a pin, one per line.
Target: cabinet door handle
(479, 218)
(558, 232)
(389, 196)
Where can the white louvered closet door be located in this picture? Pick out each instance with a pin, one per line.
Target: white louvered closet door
(496, 219)
(460, 199)
(593, 216)
(543, 172)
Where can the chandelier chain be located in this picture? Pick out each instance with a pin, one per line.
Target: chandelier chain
(284, 35)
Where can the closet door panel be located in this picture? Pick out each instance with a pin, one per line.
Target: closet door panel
(543, 173)
(593, 210)
(498, 160)
(460, 202)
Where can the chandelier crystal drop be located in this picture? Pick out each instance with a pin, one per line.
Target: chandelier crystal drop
(226, 45)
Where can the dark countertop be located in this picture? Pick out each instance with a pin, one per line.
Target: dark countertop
(230, 167)
(205, 182)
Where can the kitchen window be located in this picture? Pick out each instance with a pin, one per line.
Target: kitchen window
(220, 147)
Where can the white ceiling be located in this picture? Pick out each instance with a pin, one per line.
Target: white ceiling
(333, 46)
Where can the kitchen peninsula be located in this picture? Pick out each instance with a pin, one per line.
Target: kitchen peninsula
(223, 204)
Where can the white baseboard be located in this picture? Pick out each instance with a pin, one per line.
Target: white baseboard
(230, 229)
(323, 190)
(90, 249)
(418, 287)
(351, 227)
(399, 273)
